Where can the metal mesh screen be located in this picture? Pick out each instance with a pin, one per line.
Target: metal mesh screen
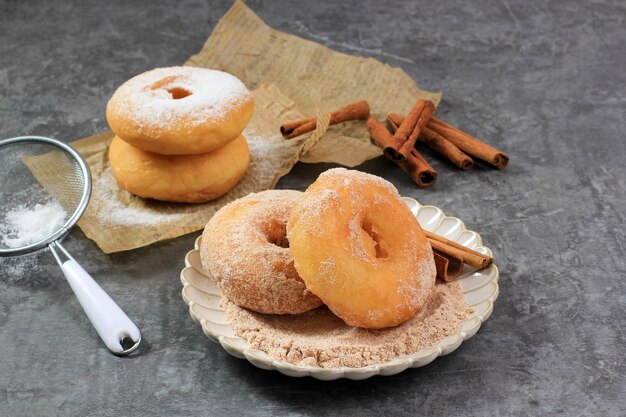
(36, 173)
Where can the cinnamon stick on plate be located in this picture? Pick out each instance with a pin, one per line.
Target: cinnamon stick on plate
(448, 267)
(403, 140)
(437, 143)
(467, 255)
(469, 144)
(359, 110)
(418, 169)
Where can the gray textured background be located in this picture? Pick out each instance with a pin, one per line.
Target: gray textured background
(544, 81)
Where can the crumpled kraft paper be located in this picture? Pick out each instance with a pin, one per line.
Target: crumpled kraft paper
(313, 76)
(118, 220)
(291, 78)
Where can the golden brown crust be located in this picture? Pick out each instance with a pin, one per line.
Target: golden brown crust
(359, 249)
(180, 110)
(245, 250)
(179, 178)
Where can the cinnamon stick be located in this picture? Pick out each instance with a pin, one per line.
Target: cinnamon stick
(395, 120)
(359, 110)
(448, 267)
(403, 140)
(289, 127)
(467, 255)
(417, 168)
(469, 144)
(437, 143)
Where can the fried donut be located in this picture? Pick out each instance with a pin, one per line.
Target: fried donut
(245, 250)
(179, 178)
(180, 110)
(358, 248)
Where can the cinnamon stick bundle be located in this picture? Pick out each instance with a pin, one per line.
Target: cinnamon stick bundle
(418, 169)
(453, 249)
(437, 143)
(448, 267)
(359, 110)
(403, 140)
(469, 144)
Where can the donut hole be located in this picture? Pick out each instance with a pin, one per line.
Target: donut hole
(374, 234)
(175, 92)
(276, 233)
(178, 92)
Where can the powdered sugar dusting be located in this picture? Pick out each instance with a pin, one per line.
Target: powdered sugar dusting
(26, 224)
(314, 206)
(327, 270)
(350, 177)
(319, 338)
(356, 237)
(152, 99)
(424, 277)
(16, 268)
(113, 208)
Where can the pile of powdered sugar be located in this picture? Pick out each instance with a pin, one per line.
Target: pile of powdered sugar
(26, 224)
(319, 338)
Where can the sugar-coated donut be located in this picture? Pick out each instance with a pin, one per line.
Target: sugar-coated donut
(245, 250)
(179, 178)
(180, 110)
(357, 247)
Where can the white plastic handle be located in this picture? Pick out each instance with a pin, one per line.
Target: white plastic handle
(109, 320)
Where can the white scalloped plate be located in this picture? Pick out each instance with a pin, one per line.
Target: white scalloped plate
(480, 289)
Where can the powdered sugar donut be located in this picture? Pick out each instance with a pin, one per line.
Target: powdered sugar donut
(246, 251)
(180, 110)
(358, 248)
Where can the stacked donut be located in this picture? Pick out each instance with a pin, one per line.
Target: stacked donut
(178, 134)
(348, 241)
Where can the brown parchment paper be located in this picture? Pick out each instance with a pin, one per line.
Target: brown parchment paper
(118, 220)
(313, 76)
(291, 77)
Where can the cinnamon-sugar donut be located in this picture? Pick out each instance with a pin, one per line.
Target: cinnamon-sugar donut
(179, 178)
(246, 251)
(358, 248)
(180, 110)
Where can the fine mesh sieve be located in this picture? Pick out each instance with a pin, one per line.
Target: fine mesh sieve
(45, 188)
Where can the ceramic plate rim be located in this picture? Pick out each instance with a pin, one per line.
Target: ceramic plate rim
(480, 289)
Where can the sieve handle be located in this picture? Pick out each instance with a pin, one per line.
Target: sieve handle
(109, 320)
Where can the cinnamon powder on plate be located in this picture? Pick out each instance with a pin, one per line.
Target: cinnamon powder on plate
(319, 338)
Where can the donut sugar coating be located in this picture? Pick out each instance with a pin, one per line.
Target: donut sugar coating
(179, 178)
(180, 110)
(359, 248)
(245, 250)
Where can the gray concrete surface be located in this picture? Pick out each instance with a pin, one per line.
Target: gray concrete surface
(543, 80)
